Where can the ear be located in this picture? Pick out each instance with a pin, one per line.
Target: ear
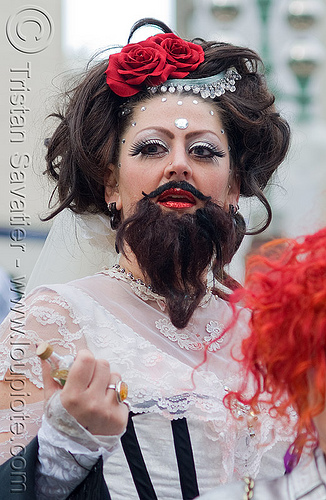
(111, 192)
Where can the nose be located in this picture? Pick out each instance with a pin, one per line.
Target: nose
(178, 167)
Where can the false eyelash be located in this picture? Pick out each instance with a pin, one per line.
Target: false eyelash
(137, 148)
(211, 147)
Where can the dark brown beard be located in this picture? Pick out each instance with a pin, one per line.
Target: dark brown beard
(174, 252)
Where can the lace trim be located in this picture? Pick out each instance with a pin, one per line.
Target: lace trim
(212, 341)
(144, 291)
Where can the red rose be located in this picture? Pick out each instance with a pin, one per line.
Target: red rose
(137, 64)
(186, 56)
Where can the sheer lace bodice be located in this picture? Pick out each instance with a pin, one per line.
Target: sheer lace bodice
(104, 314)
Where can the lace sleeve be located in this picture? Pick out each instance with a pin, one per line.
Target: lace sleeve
(42, 316)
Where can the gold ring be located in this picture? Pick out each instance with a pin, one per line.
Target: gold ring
(121, 390)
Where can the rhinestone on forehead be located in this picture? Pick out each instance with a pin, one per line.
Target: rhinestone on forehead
(181, 123)
(125, 112)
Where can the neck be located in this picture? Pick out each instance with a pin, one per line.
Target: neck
(130, 264)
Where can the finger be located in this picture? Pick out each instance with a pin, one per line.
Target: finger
(81, 372)
(114, 385)
(114, 377)
(111, 386)
(101, 377)
(50, 385)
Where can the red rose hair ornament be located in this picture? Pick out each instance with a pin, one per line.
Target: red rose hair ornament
(186, 56)
(151, 62)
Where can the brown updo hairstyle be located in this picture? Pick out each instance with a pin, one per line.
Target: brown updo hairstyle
(91, 124)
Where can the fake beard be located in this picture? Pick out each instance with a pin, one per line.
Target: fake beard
(174, 252)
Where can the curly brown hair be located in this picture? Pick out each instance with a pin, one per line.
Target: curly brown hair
(87, 139)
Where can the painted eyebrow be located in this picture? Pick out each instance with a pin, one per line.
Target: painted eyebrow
(200, 132)
(170, 134)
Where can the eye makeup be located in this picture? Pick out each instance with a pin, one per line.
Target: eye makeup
(148, 147)
(206, 151)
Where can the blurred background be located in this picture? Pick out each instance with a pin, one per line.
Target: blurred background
(45, 44)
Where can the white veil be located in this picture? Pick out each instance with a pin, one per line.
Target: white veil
(76, 246)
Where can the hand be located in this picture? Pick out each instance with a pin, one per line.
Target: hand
(86, 396)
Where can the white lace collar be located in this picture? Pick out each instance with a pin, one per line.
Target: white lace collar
(144, 291)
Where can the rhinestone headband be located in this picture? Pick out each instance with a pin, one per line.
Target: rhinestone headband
(212, 86)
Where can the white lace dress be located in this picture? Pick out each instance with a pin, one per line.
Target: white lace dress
(124, 322)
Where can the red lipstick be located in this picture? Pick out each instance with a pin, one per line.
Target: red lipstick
(176, 198)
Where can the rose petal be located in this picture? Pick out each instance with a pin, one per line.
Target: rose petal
(183, 54)
(151, 62)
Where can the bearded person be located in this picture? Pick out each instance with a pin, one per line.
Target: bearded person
(153, 149)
